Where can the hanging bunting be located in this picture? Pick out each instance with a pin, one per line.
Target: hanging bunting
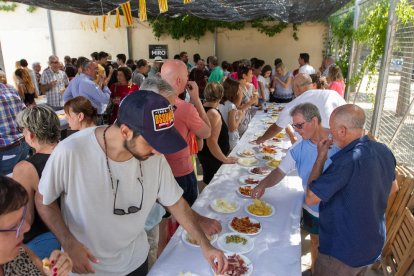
(109, 21)
(163, 5)
(117, 18)
(187, 1)
(83, 25)
(95, 24)
(126, 10)
(142, 10)
(104, 23)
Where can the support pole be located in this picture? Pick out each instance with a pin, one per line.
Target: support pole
(51, 34)
(401, 123)
(129, 42)
(215, 42)
(353, 51)
(383, 74)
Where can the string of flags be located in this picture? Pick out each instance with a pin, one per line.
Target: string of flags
(105, 22)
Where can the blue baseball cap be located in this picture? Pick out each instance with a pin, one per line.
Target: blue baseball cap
(152, 116)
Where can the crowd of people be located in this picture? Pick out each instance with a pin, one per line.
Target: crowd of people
(107, 194)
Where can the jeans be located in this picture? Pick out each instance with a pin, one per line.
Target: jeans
(11, 157)
(44, 244)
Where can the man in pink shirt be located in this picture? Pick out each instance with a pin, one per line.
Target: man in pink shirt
(189, 119)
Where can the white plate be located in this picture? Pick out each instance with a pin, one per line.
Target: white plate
(247, 185)
(260, 156)
(243, 178)
(251, 202)
(248, 152)
(258, 134)
(184, 236)
(219, 209)
(238, 248)
(262, 174)
(187, 274)
(252, 220)
(246, 260)
(269, 164)
(248, 161)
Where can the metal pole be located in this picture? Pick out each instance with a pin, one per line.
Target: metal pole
(215, 42)
(353, 51)
(383, 74)
(129, 42)
(1, 59)
(51, 34)
(401, 123)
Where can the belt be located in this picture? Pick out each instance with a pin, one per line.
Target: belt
(11, 146)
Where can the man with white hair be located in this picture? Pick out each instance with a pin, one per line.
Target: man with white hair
(53, 82)
(326, 100)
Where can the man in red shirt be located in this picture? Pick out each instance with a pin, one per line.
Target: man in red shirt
(190, 119)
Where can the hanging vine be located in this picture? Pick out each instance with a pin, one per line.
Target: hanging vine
(191, 27)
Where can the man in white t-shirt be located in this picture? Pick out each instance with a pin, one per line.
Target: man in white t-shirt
(305, 68)
(108, 178)
(326, 100)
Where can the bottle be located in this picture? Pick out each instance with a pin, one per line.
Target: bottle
(264, 107)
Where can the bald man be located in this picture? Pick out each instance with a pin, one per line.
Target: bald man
(325, 100)
(352, 193)
(192, 122)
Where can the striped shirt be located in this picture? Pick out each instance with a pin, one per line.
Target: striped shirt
(10, 105)
(53, 96)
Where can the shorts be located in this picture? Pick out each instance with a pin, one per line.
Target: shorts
(310, 223)
(327, 265)
(189, 185)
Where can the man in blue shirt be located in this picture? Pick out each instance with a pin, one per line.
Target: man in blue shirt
(97, 93)
(352, 194)
(301, 156)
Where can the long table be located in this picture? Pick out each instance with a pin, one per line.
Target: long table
(277, 248)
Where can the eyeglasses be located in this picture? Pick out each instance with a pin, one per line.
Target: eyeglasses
(54, 62)
(299, 126)
(131, 209)
(19, 228)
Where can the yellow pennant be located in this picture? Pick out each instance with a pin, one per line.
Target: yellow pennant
(117, 19)
(163, 5)
(91, 25)
(126, 10)
(83, 25)
(109, 21)
(95, 24)
(104, 23)
(142, 10)
(187, 1)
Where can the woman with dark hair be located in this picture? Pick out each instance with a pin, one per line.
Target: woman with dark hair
(245, 75)
(216, 147)
(25, 86)
(15, 258)
(41, 129)
(119, 90)
(264, 83)
(228, 109)
(80, 113)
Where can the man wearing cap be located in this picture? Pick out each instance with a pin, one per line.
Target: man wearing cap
(156, 67)
(106, 193)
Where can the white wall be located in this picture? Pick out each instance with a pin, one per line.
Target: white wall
(26, 35)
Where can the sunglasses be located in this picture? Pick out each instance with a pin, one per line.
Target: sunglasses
(19, 228)
(298, 126)
(131, 209)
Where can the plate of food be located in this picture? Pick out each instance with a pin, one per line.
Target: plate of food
(258, 134)
(280, 135)
(248, 161)
(246, 152)
(260, 170)
(268, 149)
(273, 163)
(245, 225)
(238, 265)
(187, 239)
(245, 190)
(235, 243)
(250, 179)
(187, 274)
(259, 208)
(225, 206)
(265, 157)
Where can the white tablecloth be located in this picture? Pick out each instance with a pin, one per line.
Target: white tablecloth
(277, 248)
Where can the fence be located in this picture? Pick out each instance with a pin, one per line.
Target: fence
(395, 117)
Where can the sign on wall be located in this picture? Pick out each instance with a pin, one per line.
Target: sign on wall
(158, 50)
